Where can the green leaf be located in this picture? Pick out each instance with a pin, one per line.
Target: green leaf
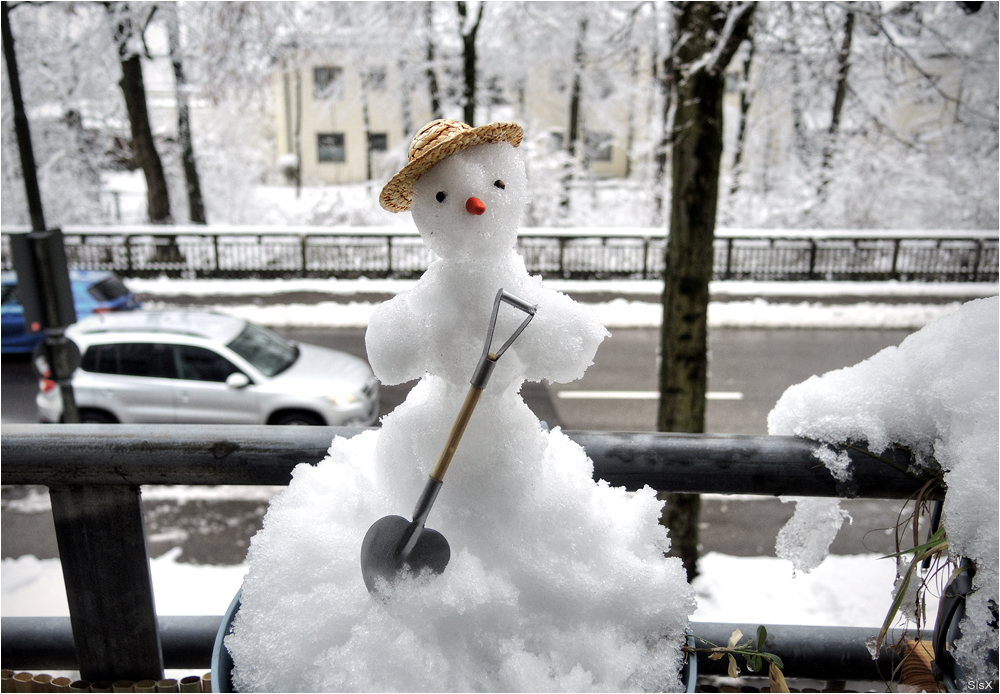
(774, 659)
(754, 663)
(761, 637)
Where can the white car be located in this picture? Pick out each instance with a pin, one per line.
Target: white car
(207, 368)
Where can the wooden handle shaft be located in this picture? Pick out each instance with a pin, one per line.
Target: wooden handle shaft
(464, 415)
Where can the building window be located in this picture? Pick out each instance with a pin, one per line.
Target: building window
(375, 79)
(598, 146)
(331, 147)
(328, 82)
(378, 142)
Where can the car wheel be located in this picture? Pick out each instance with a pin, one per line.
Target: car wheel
(97, 417)
(298, 419)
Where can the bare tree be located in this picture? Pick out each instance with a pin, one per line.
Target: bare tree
(572, 143)
(432, 80)
(469, 28)
(128, 31)
(843, 68)
(196, 207)
(745, 101)
(713, 31)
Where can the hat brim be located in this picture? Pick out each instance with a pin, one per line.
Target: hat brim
(397, 195)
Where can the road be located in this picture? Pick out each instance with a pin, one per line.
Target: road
(755, 366)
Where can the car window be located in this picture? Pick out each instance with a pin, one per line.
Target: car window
(108, 289)
(131, 359)
(268, 351)
(200, 364)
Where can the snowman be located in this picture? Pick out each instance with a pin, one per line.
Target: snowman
(555, 581)
(467, 188)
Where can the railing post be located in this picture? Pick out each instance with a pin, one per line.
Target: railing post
(562, 257)
(215, 251)
(388, 256)
(105, 564)
(812, 259)
(975, 264)
(894, 272)
(302, 255)
(729, 259)
(128, 255)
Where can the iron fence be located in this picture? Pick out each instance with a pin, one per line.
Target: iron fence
(564, 254)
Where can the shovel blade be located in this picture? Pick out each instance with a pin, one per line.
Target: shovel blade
(380, 551)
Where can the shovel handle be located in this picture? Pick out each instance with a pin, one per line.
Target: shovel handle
(481, 377)
(457, 430)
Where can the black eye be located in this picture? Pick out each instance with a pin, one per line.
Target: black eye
(441, 196)
(499, 184)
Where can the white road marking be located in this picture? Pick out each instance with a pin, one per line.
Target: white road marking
(637, 395)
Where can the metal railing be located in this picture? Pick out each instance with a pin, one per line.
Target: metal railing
(94, 474)
(398, 252)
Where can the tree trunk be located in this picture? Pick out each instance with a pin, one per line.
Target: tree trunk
(699, 86)
(404, 99)
(741, 134)
(469, 60)
(298, 132)
(630, 137)
(432, 82)
(572, 142)
(659, 178)
(366, 118)
(843, 67)
(801, 142)
(143, 147)
(134, 90)
(196, 206)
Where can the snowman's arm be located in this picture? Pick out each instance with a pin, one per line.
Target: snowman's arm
(395, 339)
(561, 341)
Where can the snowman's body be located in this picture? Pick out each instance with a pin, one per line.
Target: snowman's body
(556, 582)
(503, 446)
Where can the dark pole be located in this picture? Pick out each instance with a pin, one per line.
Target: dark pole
(61, 366)
(21, 127)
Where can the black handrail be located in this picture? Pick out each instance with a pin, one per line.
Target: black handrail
(137, 454)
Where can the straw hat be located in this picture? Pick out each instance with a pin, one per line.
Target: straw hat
(435, 141)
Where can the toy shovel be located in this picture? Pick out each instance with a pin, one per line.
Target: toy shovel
(394, 545)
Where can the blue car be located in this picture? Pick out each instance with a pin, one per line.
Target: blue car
(94, 291)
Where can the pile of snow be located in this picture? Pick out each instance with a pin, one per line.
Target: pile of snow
(556, 582)
(937, 394)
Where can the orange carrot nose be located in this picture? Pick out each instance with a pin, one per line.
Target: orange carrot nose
(475, 206)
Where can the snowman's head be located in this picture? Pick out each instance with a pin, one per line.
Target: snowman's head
(469, 205)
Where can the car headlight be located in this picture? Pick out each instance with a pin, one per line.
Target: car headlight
(341, 400)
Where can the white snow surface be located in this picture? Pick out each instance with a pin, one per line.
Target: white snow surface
(556, 582)
(846, 590)
(937, 394)
(621, 313)
(878, 304)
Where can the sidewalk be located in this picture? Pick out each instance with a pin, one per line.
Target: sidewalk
(620, 303)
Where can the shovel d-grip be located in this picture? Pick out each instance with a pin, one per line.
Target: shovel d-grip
(393, 542)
